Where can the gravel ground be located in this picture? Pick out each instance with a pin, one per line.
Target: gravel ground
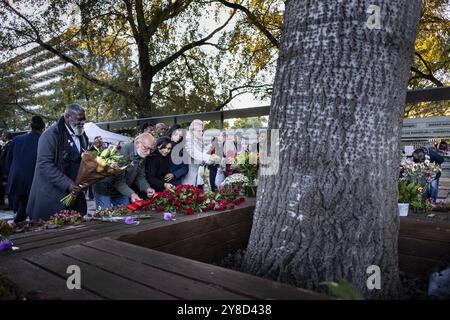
(413, 288)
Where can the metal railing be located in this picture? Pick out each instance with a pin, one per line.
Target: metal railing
(413, 96)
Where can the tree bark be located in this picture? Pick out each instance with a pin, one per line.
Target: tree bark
(331, 210)
(145, 81)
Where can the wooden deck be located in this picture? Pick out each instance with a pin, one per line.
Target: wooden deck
(160, 259)
(423, 246)
(113, 269)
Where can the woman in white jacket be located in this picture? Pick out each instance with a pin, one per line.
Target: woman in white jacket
(195, 149)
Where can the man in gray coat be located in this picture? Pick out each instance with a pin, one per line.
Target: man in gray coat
(116, 190)
(58, 159)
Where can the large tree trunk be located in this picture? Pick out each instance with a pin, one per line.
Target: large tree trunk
(145, 81)
(338, 100)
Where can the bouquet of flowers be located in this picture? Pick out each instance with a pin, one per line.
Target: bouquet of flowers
(118, 214)
(94, 167)
(235, 183)
(65, 217)
(6, 230)
(184, 199)
(247, 164)
(113, 212)
(410, 192)
(189, 199)
(421, 173)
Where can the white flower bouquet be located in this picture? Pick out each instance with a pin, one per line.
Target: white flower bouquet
(235, 183)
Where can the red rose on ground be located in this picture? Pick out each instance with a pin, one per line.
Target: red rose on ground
(231, 205)
(189, 211)
(211, 205)
(221, 207)
(224, 202)
(188, 201)
(159, 208)
(205, 209)
(176, 202)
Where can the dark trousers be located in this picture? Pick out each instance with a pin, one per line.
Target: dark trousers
(22, 209)
(2, 192)
(212, 176)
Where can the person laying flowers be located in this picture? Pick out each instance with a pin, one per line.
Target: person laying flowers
(117, 190)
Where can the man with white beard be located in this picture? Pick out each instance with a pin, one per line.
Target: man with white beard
(58, 159)
(117, 190)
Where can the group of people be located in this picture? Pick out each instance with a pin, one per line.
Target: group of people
(43, 164)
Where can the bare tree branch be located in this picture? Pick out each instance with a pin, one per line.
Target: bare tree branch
(66, 58)
(162, 64)
(231, 96)
(420, 74)
(254, 20)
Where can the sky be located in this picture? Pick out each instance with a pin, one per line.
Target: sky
(243, 101)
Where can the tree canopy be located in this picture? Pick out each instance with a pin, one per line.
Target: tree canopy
(140, 58)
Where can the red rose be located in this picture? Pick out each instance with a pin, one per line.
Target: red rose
(221, 207)
(211, 205)
(188, 201)
(159, 208)
(224, 202)
(231, 205)
(189, 211)
(176, 202)
(204, 209)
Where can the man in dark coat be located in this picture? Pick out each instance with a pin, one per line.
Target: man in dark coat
(59, 156)
(23, 162)
(5, 164)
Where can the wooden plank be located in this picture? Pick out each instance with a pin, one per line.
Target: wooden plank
(98, 281)
(241, 283)
(44, 235)
(93, 226)
(40, 233)
(425, 230)
(182, 230)
(48, 240)
(417, 265)
(209, 246)
(52, 242)
(31, 278)
(170, 283)
(436, 250)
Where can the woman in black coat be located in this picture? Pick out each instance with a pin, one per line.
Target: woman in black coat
(177, 171)
(157, 166)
